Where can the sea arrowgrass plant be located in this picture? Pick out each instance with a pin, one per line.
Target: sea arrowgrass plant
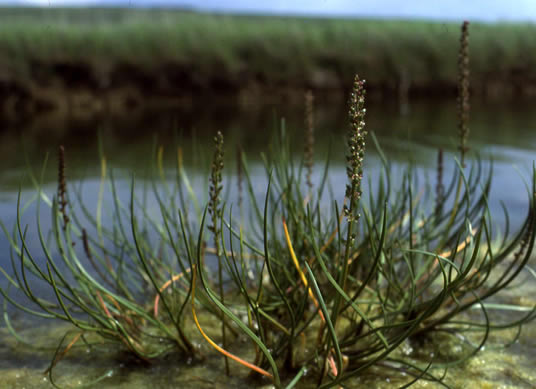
(215, 212)
(311, 285)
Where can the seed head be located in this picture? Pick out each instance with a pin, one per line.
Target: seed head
(309, 137)
(216, 183)
(356, 146)
(62, 186)
(463, 91)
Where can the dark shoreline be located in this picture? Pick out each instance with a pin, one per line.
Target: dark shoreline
(20, 99)
(116, 60)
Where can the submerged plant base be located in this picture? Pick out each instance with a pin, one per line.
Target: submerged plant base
(20, 367)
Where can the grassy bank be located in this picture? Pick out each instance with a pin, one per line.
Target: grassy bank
(136, 53)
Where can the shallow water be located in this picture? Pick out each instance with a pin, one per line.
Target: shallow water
(494, 367)
(502, 132)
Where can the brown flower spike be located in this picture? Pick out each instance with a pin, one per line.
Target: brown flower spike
(463, 91)
(356, 147)
(309, 137)
(62, 186)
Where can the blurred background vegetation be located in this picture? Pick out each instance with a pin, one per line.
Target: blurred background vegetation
(106, 58)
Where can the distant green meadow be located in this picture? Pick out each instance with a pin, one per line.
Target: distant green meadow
(206, 51)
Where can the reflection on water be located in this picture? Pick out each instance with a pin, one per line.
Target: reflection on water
(499, 132)
(503, 133)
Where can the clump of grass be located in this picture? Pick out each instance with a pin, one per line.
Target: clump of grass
(307, 288)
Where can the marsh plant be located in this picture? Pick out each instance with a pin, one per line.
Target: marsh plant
(319, 290)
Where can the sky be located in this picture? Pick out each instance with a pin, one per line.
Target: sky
(475, 10)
